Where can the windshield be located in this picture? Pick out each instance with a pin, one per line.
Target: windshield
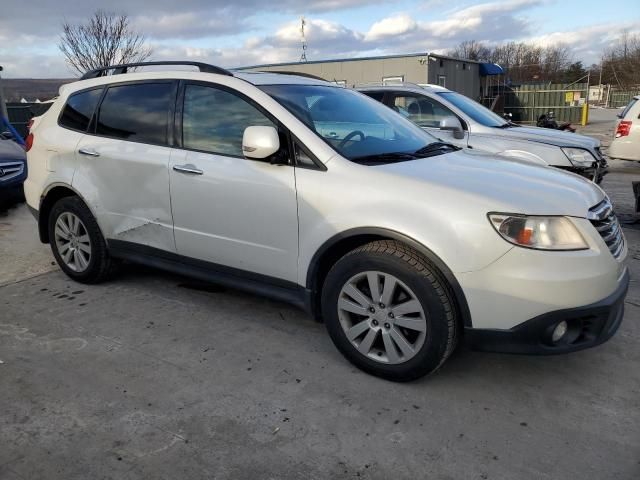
(477, 112)
(356, 126)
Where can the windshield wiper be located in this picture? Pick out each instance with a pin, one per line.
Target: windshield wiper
(506, 125)
(385, 157)
(436, 148)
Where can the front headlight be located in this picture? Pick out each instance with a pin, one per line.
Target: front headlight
(579, 157)
(541, 233)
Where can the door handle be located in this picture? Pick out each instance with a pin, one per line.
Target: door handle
(188, 169)
(89, 152)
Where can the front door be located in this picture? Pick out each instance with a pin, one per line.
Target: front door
(427, 114)
(228, 210)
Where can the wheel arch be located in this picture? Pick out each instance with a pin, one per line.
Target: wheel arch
(54, 193)
(340, 244)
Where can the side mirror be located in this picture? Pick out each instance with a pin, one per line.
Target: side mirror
(259, 143)
(453, 124)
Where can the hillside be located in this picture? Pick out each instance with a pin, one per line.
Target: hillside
(32, 88)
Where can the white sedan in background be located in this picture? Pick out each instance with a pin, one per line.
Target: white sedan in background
(626, 143)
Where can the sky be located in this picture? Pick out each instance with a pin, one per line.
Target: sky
(250, 32)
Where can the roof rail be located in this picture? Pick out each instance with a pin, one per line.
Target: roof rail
(392, 84)
(123, 68)
(299, 74)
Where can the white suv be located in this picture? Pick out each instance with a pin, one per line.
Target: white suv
(626, 141)
(318, 195)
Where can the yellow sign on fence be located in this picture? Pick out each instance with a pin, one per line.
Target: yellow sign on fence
(568, 97)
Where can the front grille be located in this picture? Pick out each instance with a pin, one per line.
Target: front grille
(10, 170)
(607, 225)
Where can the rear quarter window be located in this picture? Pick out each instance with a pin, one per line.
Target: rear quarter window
(80, 107)
(628, 108)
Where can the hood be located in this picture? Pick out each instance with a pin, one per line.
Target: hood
(11, 151)
(549, 136)
(493, 184)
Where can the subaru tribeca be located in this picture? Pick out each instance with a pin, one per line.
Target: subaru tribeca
(303, 191)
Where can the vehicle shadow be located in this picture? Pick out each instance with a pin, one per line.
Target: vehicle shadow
(9, 199)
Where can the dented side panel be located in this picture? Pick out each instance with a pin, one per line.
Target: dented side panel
(127, 187)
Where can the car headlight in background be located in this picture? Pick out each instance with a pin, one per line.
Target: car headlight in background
(579, 157)
(542, 233)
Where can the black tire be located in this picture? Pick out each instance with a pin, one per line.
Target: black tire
(101, 265)
(430, 289)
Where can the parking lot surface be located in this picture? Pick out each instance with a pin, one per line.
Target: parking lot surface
(154, 376)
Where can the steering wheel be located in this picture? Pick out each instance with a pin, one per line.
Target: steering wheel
(344, 141)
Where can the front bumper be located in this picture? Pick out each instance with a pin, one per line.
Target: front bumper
(589, 326)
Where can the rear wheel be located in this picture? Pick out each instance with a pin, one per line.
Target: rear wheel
(77, 243)
(389, 311)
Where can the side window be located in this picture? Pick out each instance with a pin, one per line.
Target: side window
(136, 112)
(79, 109)
(303, 159)
(421, 110)
(375, 95)
(214, 120)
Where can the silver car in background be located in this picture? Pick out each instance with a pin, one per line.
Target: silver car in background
(457, 119)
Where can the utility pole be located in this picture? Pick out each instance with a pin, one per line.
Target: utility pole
(303, 57)
(600, 78)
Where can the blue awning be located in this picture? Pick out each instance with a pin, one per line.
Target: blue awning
(490, 69)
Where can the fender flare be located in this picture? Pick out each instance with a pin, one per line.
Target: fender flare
(458, 293)
(43, 222)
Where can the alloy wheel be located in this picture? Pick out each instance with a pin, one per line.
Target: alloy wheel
(382, 317)
(73, 242)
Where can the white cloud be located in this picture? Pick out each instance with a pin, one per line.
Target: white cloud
(391, 26)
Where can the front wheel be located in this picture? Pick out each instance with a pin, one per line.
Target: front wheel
(389, 311)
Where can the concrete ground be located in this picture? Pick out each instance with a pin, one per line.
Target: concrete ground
(154, 376)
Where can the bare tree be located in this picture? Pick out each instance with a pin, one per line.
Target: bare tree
(470, 50)
(106, 39)
(621, 63)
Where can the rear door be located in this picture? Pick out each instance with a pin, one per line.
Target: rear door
(124, 161)
(229, 210)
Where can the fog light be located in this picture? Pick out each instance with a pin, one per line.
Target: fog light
(559, 332)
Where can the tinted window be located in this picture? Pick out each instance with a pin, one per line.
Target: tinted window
(79, 109)
(421, 110)
(214, 120)
(136, 112)
(375, 95)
